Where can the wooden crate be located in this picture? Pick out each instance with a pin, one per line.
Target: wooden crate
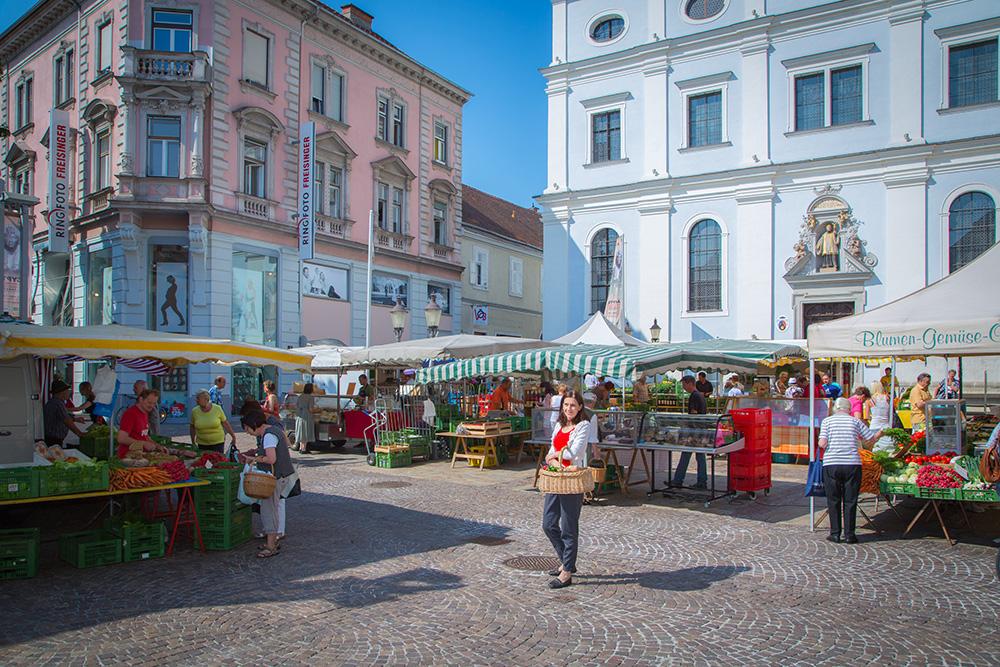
(484, 428)
(392, 448)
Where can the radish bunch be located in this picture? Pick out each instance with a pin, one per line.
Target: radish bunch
(938, 478)
(177, 470)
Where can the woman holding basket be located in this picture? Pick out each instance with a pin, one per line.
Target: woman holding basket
(271, 456)
(561, 520)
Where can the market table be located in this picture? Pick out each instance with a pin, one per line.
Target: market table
(185, 502)
(711, 452)
(609, 451)
(489, 441)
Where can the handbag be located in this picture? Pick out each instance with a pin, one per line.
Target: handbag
(814, 481)
(293, 487)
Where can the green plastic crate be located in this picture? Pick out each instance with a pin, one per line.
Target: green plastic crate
(938, 494)
(980, 496)
(59, 481)
(239, 531)
(90, 548)
(225, 521)
(225, 479)
(139, 542)
(399, 459)
(898, 488)
(216, 505)
(17, 483)
(19, 553)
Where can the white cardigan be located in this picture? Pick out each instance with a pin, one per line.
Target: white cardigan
(579, 438)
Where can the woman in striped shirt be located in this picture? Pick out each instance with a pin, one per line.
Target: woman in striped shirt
(839, 437)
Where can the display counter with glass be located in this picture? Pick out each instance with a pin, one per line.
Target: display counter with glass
(945, 425)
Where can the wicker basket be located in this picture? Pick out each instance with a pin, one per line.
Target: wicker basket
(257, 484)
(599, 470)
(565, 483)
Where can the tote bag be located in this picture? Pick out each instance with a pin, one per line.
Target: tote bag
(814, 480)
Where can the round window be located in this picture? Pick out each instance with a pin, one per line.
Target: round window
(607, 28)
(700, 10)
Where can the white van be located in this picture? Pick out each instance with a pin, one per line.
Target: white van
(20, 410)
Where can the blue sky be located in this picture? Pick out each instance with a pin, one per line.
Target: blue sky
(492, 49)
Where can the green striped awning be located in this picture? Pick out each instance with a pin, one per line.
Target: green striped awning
(612, 361)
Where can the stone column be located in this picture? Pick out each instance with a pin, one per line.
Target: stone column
(652, 247)
(755, 111)
(128, 131)
(906, 73)
(906, 230)
(197, 141)
(130, 236)
(656, 137)
(198, 267)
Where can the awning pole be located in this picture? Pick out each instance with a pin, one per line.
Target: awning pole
(812, 429)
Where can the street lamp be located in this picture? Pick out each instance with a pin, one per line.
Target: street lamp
(398, 315)
(654, 332)
(433, 314)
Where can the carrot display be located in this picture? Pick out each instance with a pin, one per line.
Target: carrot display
(138, 478)
(871, 472)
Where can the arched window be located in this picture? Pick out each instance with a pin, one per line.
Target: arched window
(704, 9)
(705, 267)
(972, 226)
(602, 255)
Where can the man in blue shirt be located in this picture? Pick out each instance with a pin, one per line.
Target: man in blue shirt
(832, 389)
(215, 392)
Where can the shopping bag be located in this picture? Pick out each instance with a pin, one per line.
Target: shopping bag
(292, 486)
(814, 480)
(240, 495)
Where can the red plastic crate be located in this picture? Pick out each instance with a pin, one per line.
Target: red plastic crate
(750, 457)
(753, 470)
(750, 483)
(750, 417)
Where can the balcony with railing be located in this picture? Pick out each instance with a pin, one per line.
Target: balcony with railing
(332, 226)
(166, 66)
(254, 207)
(392, 240)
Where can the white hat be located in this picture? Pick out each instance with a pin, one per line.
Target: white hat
(792, 381)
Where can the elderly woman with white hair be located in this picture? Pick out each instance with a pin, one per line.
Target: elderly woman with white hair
(839, 438)
(209, 424)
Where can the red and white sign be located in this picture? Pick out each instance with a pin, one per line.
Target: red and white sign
(307, 221)
(59, 166)
(480, 316)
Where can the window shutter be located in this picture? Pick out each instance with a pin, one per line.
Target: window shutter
(472, 271)
(485, 261)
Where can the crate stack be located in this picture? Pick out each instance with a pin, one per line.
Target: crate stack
(19, 553)
(750, 468)
(224, 521)
(90, 548)
(139, 542)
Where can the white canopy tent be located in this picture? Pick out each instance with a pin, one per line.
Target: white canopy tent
(599, 331)
(412, 353)
(326, 358)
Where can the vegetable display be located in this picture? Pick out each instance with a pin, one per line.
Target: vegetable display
(938, 477)
(209, 457)
(871, 472)
(176, 469)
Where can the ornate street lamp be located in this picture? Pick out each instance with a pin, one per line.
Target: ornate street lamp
(433, 314)
(654, 332)
(398, 315)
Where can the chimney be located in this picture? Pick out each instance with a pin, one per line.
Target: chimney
(357, 16)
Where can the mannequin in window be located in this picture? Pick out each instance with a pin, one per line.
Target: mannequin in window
(828, 249)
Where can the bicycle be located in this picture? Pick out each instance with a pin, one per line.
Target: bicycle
(128, 400)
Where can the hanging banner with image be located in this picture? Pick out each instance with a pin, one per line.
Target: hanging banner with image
(170, 309)
(248, 306)
(59, 166)
(443, 297)
(386, 289)
(613, 309)
(12, 265)
(327, 282)
(107, 298)
(307, 223)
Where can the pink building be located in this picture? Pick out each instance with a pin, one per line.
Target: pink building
(183, 191)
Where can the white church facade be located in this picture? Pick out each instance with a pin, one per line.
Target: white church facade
(770, 163)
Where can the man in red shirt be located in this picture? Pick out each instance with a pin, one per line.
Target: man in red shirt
(134, 427)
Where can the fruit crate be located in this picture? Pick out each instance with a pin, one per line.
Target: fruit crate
(398, 459)
(225, 479)
(225, 521)
(898, 488)
(19, 553)
(139, 542)
(207, 504)
(90, 548)
(223, 534)
(980, 495)
(390, 438)
(420, 445)
(17, 483)
(938, 494)
(520, 423)
(59, 481)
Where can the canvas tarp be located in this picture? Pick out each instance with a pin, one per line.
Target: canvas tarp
(768, 353)
(598, 330)
(412, 353)
(958, 315)
(608, 360)
(120, 342)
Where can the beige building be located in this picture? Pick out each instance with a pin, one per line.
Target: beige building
(502, 250)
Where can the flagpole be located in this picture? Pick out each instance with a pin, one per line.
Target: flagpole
(368, 287)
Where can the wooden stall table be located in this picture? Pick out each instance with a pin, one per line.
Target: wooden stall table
(609, 452)
(185, 505)
(488, 440)
(936, 504)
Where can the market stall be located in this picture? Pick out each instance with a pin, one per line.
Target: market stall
(57, 476)
(938, 320)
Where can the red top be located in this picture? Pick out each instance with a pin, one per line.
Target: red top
(271, 406)
(135, 422)
(560, 442)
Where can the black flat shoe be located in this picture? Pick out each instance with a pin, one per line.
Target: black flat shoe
(555, 572)
(833, 538)
(559, 583)
(852, 539)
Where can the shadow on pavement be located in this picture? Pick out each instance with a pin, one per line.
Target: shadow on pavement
(686, 580)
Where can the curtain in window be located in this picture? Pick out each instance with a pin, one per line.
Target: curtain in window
(845, 96)
(809, 93)
(972, 74)
(705, 267)
(972, 228)
(602, 255)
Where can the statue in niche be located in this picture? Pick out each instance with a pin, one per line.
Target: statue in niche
(828, 249)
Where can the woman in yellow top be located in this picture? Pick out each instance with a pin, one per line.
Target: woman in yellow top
(209, 425)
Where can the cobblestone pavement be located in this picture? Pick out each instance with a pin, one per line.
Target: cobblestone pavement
(412, 573)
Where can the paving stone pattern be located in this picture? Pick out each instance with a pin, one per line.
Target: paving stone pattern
(414, 575)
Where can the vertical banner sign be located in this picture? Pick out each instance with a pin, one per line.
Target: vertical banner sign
(613, 309)
(307, 221)
(58, 215)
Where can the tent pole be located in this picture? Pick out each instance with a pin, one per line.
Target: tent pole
(812, 429)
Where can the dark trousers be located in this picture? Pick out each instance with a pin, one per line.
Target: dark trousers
(843, 484)
(220, 448)
(561, 523)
